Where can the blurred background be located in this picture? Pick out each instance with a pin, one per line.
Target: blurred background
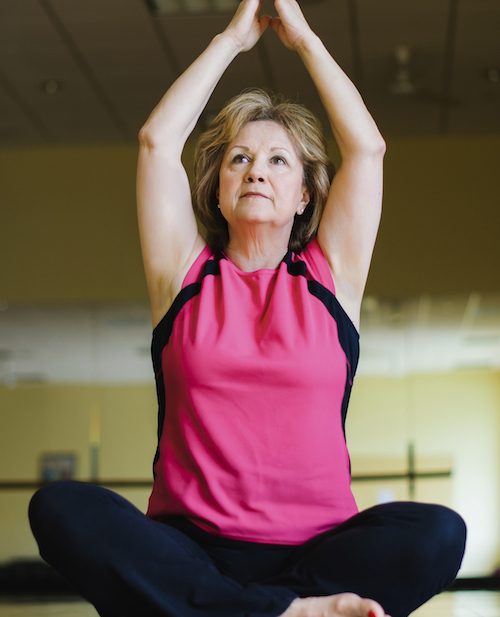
(78, 78)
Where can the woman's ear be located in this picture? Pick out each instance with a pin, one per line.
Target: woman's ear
(306, 198)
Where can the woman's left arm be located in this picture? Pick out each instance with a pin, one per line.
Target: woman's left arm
(351, 218)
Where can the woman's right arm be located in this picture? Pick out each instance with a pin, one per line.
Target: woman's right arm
(169, 234)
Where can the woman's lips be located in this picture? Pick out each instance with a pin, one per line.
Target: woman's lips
(252, 194)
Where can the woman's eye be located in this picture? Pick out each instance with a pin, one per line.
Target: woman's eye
(240, 158)
(279, 160)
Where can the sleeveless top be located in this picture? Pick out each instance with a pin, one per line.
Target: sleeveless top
(254, 372)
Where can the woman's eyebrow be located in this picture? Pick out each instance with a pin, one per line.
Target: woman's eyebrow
(284, 148)
(272, 149)
(238, 147)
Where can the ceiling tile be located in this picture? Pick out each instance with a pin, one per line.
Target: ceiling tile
(116, 60)
(119, 44)
(33, 53)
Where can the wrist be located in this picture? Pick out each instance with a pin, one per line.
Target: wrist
(309, 43)
(226, 40)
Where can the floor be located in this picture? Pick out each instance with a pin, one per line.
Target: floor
(461, 604)
(456, 604)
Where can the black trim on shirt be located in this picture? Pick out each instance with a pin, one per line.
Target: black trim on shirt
(348, 335)
(162, 332)
(161, 336)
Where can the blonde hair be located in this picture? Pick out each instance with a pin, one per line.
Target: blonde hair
(306, 133)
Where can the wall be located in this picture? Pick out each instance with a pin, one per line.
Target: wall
(36, 419)
(69, 231)
(70, 227)
(453, 416)
(439, 231)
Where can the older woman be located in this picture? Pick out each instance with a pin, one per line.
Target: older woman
(255, 348)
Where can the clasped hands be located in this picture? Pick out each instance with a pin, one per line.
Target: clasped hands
(246, 27)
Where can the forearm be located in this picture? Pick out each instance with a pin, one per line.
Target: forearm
(175, 116)
(353, 127)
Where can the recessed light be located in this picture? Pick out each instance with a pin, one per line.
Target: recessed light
(493, 75)
(51, 86)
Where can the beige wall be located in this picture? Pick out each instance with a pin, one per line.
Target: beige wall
(36, 419)
(453, 419)
(439, 231)
(69, 231)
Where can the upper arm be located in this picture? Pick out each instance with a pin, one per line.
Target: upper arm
(169, 234)
(349, 225)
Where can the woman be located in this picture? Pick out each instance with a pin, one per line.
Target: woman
(255, 348)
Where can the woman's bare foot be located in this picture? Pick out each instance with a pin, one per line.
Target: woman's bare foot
(339, 605)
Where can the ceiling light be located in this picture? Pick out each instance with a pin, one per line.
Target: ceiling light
(402, 83)
(493, 75)
(51, 86)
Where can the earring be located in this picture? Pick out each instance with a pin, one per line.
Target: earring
(218, 206)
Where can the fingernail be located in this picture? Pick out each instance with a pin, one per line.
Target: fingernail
(371, 614)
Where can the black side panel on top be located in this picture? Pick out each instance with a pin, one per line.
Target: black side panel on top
(348, 335)
(161, 336)
(348, 338)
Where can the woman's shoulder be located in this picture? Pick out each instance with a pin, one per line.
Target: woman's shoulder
(195, 268)
(185, 276)
(317, 264)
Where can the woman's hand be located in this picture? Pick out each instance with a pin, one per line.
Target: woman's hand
(246, 27)
(290, 25)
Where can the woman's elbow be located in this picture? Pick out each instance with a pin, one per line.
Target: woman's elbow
(146, 136)
(376, 146)
(365, 146)
(381, 146)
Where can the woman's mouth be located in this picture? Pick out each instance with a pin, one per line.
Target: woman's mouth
(254, 194)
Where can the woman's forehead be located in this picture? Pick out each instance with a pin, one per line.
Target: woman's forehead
(268, 133)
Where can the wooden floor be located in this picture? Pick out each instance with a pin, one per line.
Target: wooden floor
(36, 608)
(448, 604)
(462, 604)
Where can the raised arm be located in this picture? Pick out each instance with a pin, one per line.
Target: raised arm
(351, 218)
(169, 234)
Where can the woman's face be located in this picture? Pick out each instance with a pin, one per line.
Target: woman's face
(261, 177)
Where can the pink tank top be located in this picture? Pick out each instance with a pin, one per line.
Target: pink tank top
(254, 372)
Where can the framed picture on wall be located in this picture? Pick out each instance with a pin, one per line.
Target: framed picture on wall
(57, 466)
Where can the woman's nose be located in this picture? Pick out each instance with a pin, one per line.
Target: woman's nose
(256, 173)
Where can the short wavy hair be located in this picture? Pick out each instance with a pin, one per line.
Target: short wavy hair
(306, 133)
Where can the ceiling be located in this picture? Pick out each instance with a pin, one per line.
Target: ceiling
(111, 343)
(88, 71)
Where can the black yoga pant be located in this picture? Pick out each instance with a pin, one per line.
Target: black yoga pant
(127, 565)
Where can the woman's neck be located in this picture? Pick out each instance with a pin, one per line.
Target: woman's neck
(250, 255)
